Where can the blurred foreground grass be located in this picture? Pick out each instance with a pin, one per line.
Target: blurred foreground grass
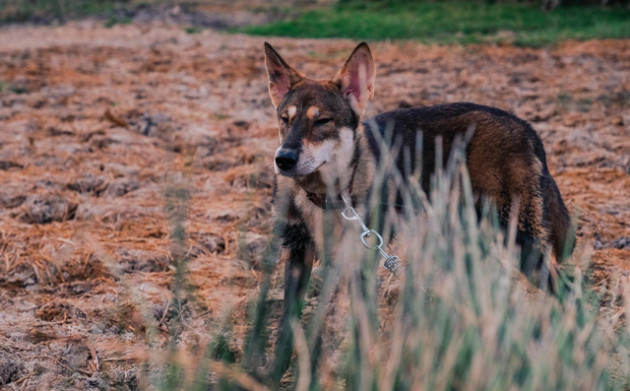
(453, 22)
(460, 316)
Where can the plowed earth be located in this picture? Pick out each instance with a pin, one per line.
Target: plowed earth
(97, 125)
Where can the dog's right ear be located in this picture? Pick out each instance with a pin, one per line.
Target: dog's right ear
(281, 75)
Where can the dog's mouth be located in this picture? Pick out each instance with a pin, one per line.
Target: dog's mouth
(297, 171)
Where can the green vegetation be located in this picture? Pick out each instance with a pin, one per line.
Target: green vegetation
(453, 22)
(113, 20)
(456, 21)
(193, 29)
(49, 11)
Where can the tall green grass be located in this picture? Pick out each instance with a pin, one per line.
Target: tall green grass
(453, 22)
(459, 317)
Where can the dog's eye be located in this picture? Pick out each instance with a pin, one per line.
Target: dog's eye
(322, 121)
(285, 119)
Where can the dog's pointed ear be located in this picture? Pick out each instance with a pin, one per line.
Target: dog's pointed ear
(281, 75)
(356, 78)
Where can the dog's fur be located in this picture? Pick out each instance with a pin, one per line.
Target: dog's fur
(325, 151)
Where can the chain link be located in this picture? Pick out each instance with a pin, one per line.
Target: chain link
(392, 262)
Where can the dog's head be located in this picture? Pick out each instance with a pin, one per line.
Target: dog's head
(318, 119)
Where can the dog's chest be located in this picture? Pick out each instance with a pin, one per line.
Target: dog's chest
(323, 225)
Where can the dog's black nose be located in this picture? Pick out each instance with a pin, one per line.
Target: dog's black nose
(286, 159)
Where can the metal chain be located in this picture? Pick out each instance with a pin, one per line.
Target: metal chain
(392, 262)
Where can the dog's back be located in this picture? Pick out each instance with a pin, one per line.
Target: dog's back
(505, 159)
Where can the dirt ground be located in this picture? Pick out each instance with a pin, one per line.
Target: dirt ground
(99, 126)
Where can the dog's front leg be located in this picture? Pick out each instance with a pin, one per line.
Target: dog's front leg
(299, 262)
(297, 273)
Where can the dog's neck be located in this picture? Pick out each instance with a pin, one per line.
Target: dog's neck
(356, 186)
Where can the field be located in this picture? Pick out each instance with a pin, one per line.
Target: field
(128, 151)
(520, 23)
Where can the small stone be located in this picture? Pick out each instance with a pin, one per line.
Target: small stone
(96, 330)
(46, 208)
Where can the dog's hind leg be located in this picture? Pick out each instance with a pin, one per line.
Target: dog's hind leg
(557, 219)
(544, 224)
(561, 232)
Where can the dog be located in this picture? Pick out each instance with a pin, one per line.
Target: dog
(327, 151)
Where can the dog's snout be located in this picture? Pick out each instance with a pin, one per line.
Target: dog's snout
(286, 159)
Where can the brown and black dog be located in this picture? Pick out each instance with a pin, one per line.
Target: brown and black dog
(326, 151)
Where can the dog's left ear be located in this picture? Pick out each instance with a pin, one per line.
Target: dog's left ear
(281, 76)
(356, 78)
